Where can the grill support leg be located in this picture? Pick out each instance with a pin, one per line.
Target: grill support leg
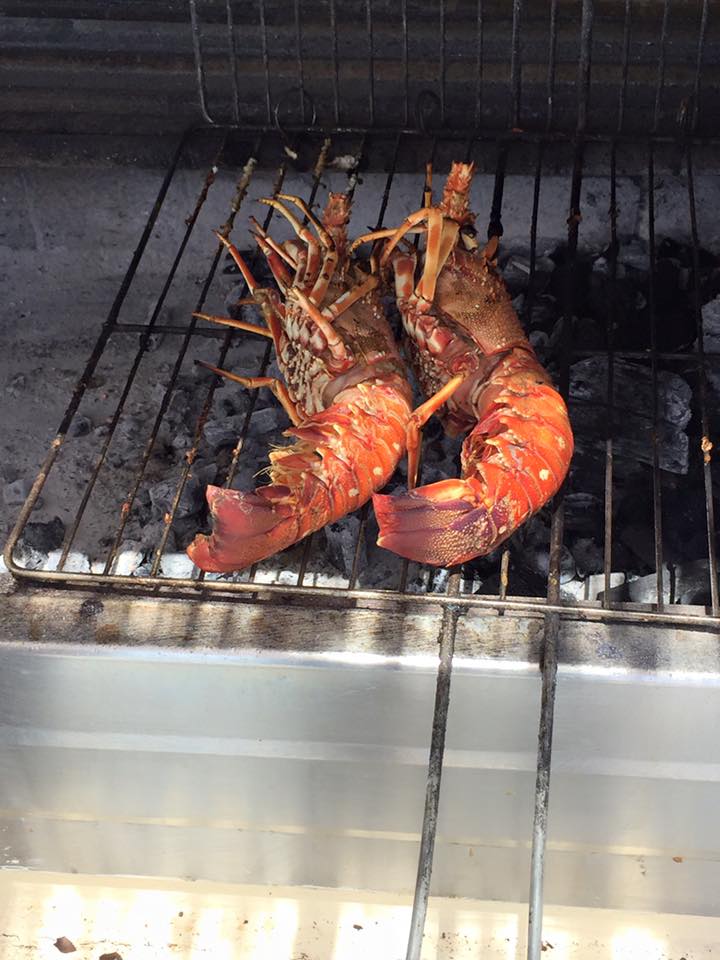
(448, 630)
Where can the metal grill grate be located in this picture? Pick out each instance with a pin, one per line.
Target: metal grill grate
(297, 150)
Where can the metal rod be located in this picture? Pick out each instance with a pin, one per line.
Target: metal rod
(656, 477)
(515, 66)
(265, 60)
(448, 629)
(299, 60)
(199, 62)
(232, 53)
(698, 66)
(705, 450)
(336, 62)
(443, 24)
(479, 67)
(549, 656)
(371, 62)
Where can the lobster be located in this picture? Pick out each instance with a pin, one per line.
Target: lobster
(345, 391)
(480, 374)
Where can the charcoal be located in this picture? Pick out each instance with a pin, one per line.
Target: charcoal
(639, 538)
(75, 562)
(544, 314)
(635, 255)
(80, 427)
(176, 565)
(270, 420)
(588, 556)
(129, 558)
(686, 583)
(584, 514)
(44, 536)
(592, 588)
(16, 493)
(28, 557)
(340, 538)
(538, 560)
(516, 274)
(225, 432)
(193, 496)
(633, 411)
(711, 326)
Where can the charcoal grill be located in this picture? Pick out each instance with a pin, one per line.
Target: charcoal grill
(335, 93)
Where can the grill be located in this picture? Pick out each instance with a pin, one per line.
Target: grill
(562, 95)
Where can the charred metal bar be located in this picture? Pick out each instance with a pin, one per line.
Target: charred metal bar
(515, 67)
(199, 61)
(336, 65)
(299, 60)
(371, 62)
(698, 67)
(479, 66)
(610, 324)
(265, 60)
(406, 81)
(552, 623)
(706, 445)
(448, 630)
(232, 54)
(442, 62)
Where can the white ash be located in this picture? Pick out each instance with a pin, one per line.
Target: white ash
(686, 583)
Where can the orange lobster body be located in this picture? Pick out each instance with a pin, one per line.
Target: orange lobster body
(345, 391)
(469, 351)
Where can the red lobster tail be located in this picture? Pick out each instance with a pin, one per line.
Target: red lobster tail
(338, 459)
(442, 524)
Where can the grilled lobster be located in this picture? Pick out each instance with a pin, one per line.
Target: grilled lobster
(471, 357)
(345, 392)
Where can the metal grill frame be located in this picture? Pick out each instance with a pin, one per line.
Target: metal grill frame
(453, 602)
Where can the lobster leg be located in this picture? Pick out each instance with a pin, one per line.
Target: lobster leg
(346, 300)
(313, 248)
(237, 324)
(277, 387)
(419, 418)
(322, 233)
(382, 234)
(239, 262)
(334, 340)
(323, 281)
(282, 275)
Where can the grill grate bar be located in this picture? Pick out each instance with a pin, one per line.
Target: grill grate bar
(706, 454)
(448, 629)
(355, 569)
(657, 480)
(702, 33)
(308, 542)
(552, 622)
(232, 54)
(478, 66)
(299, 62)
(265, 60)
(515, 66)
(147, 329)
(610, 423)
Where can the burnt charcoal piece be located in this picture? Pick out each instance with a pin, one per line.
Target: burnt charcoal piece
(613, 303)
(162, 494)
(686, 583)
(570, 279)
(80, 427)
(225, 432)
(674, 314)
(584, 515)
(64, 945)
(633, 404)
(340, 538)
(588, 556)
(16, 492)
(112, 956)
(44, 536)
